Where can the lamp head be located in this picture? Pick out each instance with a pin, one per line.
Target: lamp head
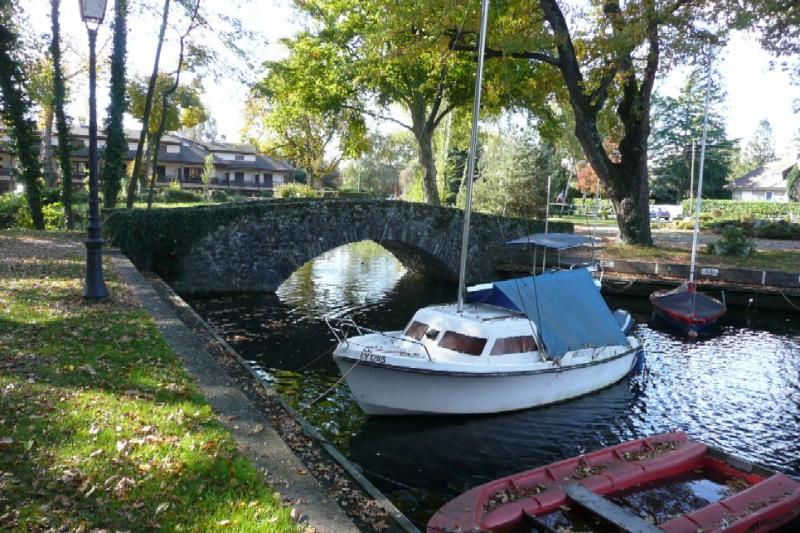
(93, 11)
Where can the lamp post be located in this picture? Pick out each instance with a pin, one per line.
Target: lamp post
(92, 13)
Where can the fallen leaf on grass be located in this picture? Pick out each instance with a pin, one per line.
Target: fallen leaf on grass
(162, 507)
(223, 523)
(6, 441)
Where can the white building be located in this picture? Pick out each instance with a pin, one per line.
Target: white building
(766, 183)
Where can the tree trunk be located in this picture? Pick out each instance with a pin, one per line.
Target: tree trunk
(423, 132)
(137, 162)
(116, 143)
(64, 149)
(625, 180)
(46, 147)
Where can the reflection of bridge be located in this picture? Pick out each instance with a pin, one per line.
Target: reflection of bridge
(255, 246)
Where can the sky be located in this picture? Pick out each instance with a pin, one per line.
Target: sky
(754, 90)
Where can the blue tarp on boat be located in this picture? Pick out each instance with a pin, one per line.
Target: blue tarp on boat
(565, 306)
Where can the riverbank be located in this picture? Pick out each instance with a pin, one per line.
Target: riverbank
(100, 425)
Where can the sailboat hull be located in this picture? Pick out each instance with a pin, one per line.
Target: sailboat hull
(392, 390)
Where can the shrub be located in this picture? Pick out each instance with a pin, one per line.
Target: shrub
(178, 196)
(218, 195)
(13, 211)
(777, 230)
(295, 190)
(733, 243)
(734, 209)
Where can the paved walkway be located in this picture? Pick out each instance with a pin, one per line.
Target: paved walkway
(683, 238)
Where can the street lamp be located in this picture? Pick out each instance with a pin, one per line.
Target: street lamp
(92, 12)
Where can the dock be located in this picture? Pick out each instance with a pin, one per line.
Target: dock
(737, 287)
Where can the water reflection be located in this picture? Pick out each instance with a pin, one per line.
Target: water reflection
(738, 389)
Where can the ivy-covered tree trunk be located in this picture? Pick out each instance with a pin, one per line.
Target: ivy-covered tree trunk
(116, 143)
(138, 159)
(46, 147)
(64, 149)
(15, 108)
(423, 127)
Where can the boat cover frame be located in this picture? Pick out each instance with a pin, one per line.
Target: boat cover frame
(568, 310)
(555, 241)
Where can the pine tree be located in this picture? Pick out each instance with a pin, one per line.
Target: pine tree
(761, 148)
(116, 143)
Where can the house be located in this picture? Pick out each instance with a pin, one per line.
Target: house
(238, 167)
(766, 183)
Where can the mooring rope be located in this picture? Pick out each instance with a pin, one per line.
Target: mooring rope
(788, 300)
(317, 358)
(329, 389)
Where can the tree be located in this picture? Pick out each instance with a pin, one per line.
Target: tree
(191, 114)
(209, 172)
(62, 126)
(761, 147)
(793, 183)
(607, 58)
(367, 55)
(146, 109)
(116, 148)
(677, 122)
(15, 112)
(41, 83)
(518, 164)
(777, 23)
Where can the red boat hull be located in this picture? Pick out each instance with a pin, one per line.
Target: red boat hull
(503, 505)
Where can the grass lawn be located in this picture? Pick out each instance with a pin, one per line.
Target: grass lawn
(761, 260)
(100, 426)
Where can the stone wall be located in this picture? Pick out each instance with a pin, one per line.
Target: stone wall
(262, 246)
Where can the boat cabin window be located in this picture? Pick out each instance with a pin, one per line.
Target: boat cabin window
(416, 330)
(462, 343)
(432, 334)
(509, 345)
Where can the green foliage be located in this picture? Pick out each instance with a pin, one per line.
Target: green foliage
(116, 148)
(64, 148)
(517, 165)
(733, 243)
(15, 110)
(171, 195)
(732, 209)
(378, 170)
(185, 107)
(13, 211)
(793, 184)
(295, 190)
(676, 123)
(761, 147)
(454, 173)
(218, 195)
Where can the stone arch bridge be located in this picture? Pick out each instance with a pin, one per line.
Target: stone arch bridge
(255, 246)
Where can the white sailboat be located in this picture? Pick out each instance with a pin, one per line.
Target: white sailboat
(503, 346)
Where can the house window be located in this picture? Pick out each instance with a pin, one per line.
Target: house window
(462, 343)
(239, 158)
(768, 196)
(509, 345)
(238, 176)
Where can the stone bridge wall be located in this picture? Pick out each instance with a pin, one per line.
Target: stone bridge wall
(254, 247)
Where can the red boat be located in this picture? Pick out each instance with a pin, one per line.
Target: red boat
(664, 483)
(687, 309)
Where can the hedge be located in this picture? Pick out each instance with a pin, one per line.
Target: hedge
(735, 209)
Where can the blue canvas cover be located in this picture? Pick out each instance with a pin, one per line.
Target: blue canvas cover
(565, 306)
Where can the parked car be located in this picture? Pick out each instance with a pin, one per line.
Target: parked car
(659, 213)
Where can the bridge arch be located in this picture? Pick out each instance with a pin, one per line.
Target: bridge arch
(254, 248)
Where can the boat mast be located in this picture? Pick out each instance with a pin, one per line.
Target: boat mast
(473, 146)
(700, 175)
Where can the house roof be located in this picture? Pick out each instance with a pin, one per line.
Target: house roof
(769, 177)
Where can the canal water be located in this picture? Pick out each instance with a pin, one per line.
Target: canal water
(738, 389)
